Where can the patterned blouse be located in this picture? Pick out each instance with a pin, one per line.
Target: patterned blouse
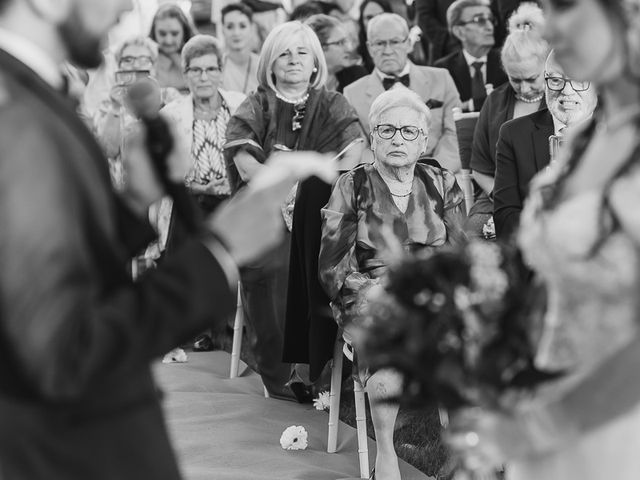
(360, 203)
(209, 136)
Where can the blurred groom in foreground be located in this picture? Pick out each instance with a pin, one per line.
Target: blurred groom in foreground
(77, 335)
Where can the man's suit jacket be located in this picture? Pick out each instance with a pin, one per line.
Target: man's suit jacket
(521, 152)
(432, 20)
(77, 398)
(435, 86)
(459, 70)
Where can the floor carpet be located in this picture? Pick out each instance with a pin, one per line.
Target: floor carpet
(224, 429)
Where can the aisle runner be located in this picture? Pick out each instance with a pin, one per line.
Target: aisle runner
(225, 429)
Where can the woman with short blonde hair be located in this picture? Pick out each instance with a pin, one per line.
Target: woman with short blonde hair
(280, 40)
(290, 110)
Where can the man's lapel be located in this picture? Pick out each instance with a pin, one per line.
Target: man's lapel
(420, 83)
(62, 107)
(543, 129)
(374, 87)
(462, 75)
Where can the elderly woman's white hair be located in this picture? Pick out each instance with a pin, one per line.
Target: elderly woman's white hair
(138, 41)
(399, 97)
(385, 17)
(525, 42)
(279, 41)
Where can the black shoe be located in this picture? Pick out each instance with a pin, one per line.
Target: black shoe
(203, 343)
(373, 475)
(302, 392)
(284, 393)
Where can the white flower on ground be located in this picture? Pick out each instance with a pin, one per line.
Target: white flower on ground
(322, 402)
(177, 355)
(294, 438)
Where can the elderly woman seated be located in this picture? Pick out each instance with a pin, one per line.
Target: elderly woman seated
(200, 121)
(419, 201)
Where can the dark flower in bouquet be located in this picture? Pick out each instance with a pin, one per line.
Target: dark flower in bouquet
(457, 323)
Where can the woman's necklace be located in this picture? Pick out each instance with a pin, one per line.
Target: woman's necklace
(398, 188)
(293, 101)
(520, 98)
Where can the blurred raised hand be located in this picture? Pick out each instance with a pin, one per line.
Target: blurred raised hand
(250, 223)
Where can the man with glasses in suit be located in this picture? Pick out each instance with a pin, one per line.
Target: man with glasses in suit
(476, 64)
(524, 144)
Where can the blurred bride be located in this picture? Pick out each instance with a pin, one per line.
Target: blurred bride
(580, 231)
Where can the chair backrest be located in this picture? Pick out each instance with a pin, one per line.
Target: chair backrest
(465, 126)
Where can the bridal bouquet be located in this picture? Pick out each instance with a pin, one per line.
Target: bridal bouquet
(457, 323)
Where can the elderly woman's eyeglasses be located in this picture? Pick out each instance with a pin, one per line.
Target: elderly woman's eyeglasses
(480, 20)
(196, 72)
(387, 132)
(142, 62)
(382, 44)
(557, 84)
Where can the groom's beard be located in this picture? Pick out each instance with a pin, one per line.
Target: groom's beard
(84, 49)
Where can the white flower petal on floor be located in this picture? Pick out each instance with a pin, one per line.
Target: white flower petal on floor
(177, 355)
(322, 402)
(294, 438)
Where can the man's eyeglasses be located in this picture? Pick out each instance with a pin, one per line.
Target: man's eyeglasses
(480, 20)
(382, 44)
(196, 72)
(387, 132)
(557, 84)
(142, 62)
(343, 42)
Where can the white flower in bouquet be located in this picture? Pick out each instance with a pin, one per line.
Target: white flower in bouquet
(294, 438)
(322, 402)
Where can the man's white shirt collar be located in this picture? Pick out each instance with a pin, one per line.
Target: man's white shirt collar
(33, 57)
(470, 59)
(558, 126)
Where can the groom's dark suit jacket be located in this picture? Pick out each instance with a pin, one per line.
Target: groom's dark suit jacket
(521, 152)
(77, 397)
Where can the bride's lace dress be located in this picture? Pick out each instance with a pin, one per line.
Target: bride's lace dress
(586, 249)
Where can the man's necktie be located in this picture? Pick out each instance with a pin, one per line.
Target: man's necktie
(388, 82)
(478, 90)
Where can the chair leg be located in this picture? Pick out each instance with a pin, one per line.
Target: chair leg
(444, 417)
(361, 424)
(334, 395)
(237, 338)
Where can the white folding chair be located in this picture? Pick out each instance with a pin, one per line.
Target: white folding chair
(236, 345)
(465, 126)
(237, 338)
(334, 409)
